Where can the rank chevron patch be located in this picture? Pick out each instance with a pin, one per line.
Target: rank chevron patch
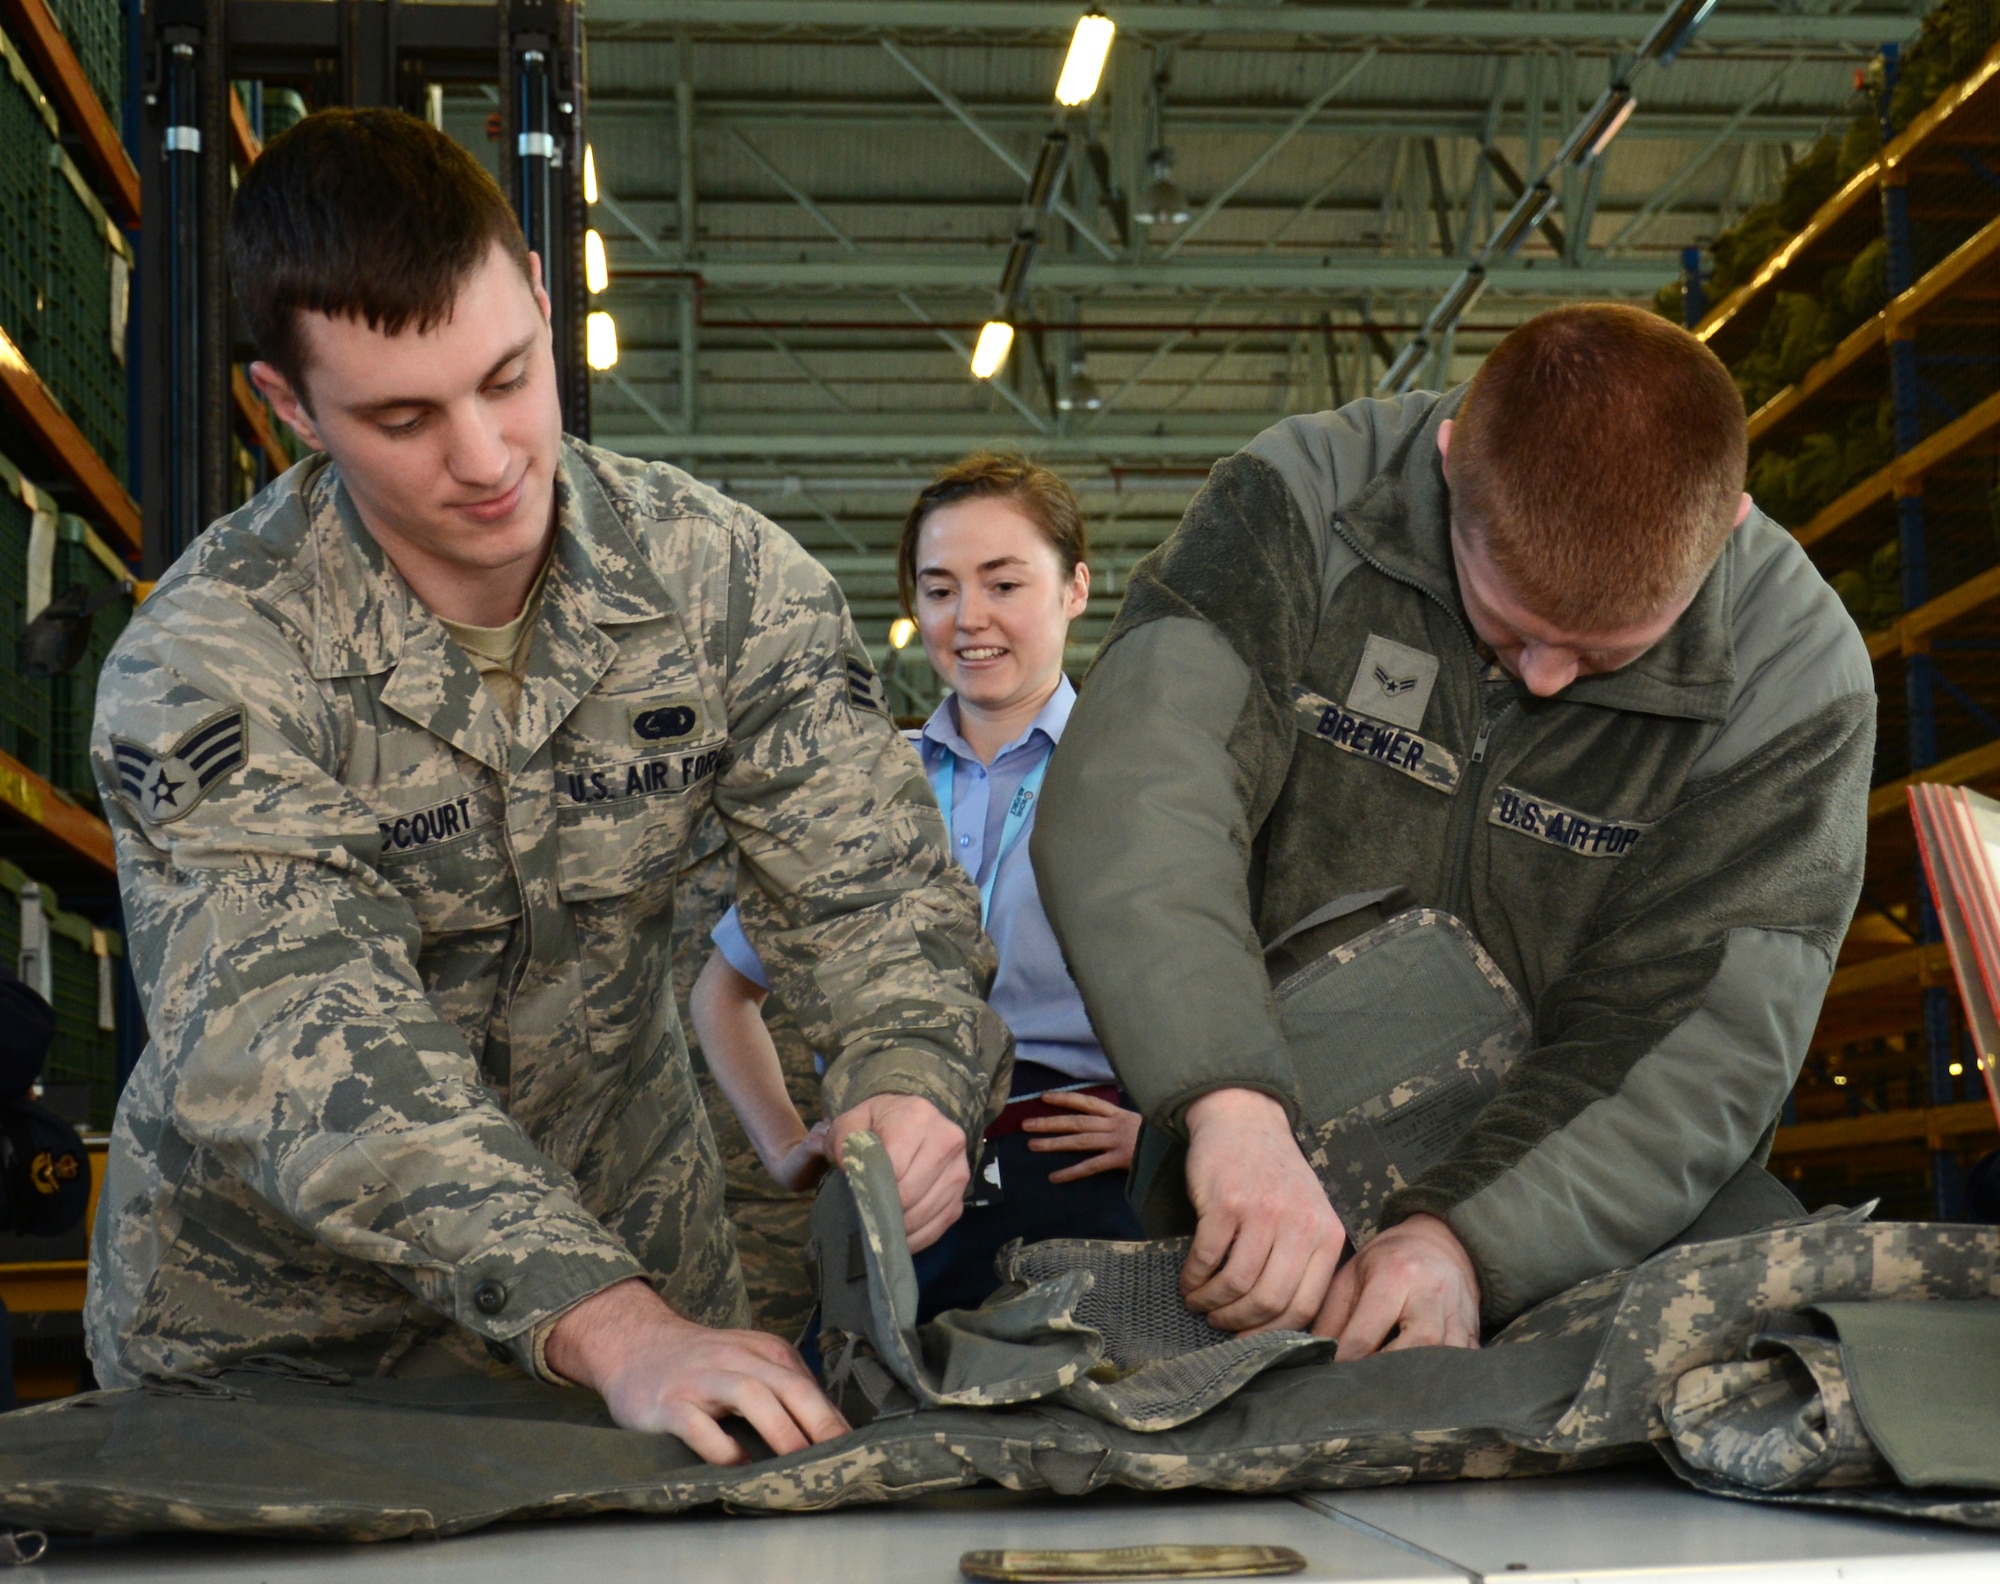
(161, 790)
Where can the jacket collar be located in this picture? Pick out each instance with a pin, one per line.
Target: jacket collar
(1400, 523)
(367, 622)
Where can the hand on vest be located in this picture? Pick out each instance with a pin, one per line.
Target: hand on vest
(657, 1371)
(1267, 1242)
(1413, 1286)
(1097, 1124)
(928, 1152)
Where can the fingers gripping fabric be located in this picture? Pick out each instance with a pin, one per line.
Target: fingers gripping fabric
(1096, 1326)
(1163, 1365)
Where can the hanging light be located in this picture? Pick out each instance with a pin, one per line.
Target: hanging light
(1084, 65)
(600, 341)
(1079, 392)
(901, 631)
(589, 174)
(1163, 202)
(596, 269)
(989, 357)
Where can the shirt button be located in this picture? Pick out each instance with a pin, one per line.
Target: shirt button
(965, 841)
(489, 1297)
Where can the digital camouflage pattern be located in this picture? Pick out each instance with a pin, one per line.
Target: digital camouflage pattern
(276, 1448)
(407, 970)
(770, 1224)
(1783, 1419)
(1400, 1037)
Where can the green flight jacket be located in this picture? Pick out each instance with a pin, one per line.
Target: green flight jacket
(1662, 860)
(416, 1074)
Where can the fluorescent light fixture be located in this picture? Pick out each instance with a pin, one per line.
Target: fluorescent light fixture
(1078, 393)
(901, 631)
(1014, 273)
(1458, 301)
(589, 174)
(1046, 181)
(1088, 46)
(600, 341)
(1672, 32)
(996, 340)
(1404, 369)
(1529, 211)
(596, 268)
(1595, 131)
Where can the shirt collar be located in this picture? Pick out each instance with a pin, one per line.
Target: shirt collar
(941, 732)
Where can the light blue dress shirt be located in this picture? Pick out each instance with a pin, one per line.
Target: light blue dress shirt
(1033, 992)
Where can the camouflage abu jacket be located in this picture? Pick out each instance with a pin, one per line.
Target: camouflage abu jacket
(414, 1049)
(1661, 860)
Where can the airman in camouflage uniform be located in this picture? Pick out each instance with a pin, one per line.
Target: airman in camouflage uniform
(769, 1222)
(407, 969)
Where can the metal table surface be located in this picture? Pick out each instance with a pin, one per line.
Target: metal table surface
(1628, 1525)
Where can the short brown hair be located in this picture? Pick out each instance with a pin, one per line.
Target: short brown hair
(361, 214)
(1044, 499)
(1600, 454)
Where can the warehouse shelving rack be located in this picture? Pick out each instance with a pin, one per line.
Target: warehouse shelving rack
(45, 829)
(1933, 194)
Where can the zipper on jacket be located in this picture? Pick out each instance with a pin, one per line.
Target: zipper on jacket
(1471, 794)
(1473, 783)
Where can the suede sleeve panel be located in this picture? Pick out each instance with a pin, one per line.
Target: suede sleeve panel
(1632, 1169)
(1177, 749)
(1140, 849)
(1775, 844)
(1327, 458)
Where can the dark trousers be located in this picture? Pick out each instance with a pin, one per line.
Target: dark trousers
(956, 1272)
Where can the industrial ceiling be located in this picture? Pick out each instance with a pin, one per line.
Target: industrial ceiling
(807, 205)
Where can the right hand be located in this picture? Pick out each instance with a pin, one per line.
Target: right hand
(658, 1371)
(1267, 1242)
(804, 1163)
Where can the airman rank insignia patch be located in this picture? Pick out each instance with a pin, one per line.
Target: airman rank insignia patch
(1417, 757)
(1588, 835)
(864, 687)
(163, 789)
(1393, 682)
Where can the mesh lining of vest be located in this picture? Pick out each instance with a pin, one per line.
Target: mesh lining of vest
(1164, 1364)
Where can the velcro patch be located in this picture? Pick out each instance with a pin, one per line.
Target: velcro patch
(427, 827)
(1417, 757)
(1393, 682)
(162, 789)
(671, 720)
(1588, 835)
(668, 775)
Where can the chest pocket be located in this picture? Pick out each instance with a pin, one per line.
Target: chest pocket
(448, 858)
(623, 826)
(1399, 1038)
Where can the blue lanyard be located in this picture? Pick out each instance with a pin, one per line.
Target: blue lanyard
(1010, 830)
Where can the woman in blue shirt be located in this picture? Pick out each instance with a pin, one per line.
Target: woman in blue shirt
(992, 568)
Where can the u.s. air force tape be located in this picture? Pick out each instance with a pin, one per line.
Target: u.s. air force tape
(614, 783)
(1590, 835)
(1416, 757)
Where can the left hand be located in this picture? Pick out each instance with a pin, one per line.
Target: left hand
(1099, 1124)
(1415, 1281)
(927, 1151)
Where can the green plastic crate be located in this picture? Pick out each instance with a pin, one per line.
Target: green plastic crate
(86, 294)
(82, 559)
(81, 960)
(96, 31)
(24, 703)
(28, 129)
